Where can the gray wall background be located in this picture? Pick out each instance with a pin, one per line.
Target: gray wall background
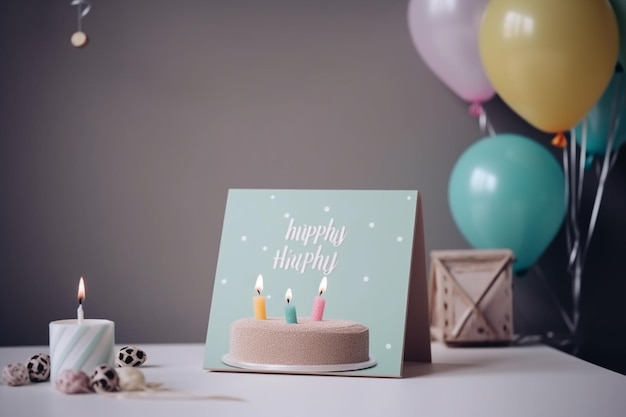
(115, 160)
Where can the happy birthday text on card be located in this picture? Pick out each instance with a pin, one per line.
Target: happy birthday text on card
(313, 235)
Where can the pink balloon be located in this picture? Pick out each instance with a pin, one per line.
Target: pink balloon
(445, 33)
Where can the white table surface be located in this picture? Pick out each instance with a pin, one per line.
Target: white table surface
(512, 381)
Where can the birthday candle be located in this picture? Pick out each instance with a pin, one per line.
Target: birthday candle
(80, 315)
(260, 312)
(290, 309)
(319, 302)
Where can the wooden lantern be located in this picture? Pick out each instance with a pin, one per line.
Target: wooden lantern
(471, 299)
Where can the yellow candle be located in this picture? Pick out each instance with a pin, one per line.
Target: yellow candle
(259, 300)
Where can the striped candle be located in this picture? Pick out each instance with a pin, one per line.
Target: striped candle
(81, 346)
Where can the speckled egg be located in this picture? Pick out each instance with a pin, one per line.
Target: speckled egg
(73, 381)
(130, 356)
(15, 374)
(104, 378)
(39, 367)
(131, 379)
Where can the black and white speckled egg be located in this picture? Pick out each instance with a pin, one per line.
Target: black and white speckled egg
(15, 374)
(130, 356)
(39, 367)
(104, 378)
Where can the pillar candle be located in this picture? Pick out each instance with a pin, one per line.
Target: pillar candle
(260, 312)
(290, 309)
(81, 344)
(319, 302)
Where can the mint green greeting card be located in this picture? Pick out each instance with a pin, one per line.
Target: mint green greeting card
(366, 246)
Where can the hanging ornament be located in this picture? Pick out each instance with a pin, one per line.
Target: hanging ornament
(79, 38)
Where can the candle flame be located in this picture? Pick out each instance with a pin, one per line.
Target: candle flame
(81, 290)
(288, 295)
(323, 285)
(259, 284)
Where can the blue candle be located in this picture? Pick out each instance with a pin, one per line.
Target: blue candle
(290, 309)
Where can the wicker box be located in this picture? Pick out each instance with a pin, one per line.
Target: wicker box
(471, 299)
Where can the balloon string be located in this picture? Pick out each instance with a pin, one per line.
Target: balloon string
(606, 165)
(572, 231)
(620, 105)
(569, 240)
(547, 337)
(578, 250)
(83, 7)
(477, 110)
(613, 159)
(568, 231)
(576, 286)
(581, 164)
(573, 198)
(566, 319)
(598, 199)
(573, 194)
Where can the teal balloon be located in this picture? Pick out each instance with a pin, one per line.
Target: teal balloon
(619, 8)
(507, 191)
(612, 105)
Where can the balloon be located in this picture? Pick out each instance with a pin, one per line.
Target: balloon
(549, 60)
(507, 191)
(599, 120)
(619, 8)
(445, 34)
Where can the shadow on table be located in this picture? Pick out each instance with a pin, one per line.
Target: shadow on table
(419, 369)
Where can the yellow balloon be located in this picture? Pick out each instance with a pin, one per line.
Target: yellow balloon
(549, 60)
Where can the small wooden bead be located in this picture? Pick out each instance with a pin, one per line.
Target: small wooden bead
(80, 39)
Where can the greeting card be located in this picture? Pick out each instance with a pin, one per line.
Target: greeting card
(319, 281)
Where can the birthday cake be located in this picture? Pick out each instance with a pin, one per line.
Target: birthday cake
(275, 343)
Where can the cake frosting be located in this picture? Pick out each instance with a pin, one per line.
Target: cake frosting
(307, 343)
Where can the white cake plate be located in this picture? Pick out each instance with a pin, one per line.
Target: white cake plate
(299, 368)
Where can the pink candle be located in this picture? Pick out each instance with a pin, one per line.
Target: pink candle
(319, 302)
